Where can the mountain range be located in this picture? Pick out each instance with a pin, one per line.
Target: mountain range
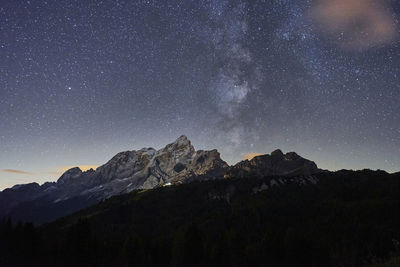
(147, 168)
(180, 207)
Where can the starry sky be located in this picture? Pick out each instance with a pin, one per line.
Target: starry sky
(83, 80)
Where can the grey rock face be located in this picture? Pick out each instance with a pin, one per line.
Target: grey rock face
(275, 164)
(148, 168)
(142, 169)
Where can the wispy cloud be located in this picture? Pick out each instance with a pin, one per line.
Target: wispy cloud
(17, 171)
(249, 156)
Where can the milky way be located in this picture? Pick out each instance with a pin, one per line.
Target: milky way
(83, 80)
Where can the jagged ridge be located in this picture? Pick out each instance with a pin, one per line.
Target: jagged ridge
(142, 169)
(146, 168)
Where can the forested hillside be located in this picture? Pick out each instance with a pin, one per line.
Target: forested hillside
(344, 218)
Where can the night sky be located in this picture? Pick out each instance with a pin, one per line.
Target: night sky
(83, 80)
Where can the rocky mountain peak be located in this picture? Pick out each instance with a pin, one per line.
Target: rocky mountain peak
(275, 164)
(69, 175)
(181, 144)
(178, 161)
(277, 153)
(73, 171)
(145, 168)
(182, 139)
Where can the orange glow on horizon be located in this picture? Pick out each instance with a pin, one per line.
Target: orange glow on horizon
(249, 156)
(63, 169)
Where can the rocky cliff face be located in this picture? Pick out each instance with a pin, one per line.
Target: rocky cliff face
(275, 164)
(138, 169)
(148, 168)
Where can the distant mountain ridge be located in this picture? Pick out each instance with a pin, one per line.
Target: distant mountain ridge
(147, 168)
(276, 163)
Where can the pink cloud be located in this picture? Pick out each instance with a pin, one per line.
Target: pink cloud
(356, 24)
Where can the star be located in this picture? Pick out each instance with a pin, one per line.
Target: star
(239, 76)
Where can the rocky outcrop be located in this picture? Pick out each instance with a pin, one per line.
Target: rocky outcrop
(275, 164)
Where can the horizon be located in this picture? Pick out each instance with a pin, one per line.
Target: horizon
(61, 170)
